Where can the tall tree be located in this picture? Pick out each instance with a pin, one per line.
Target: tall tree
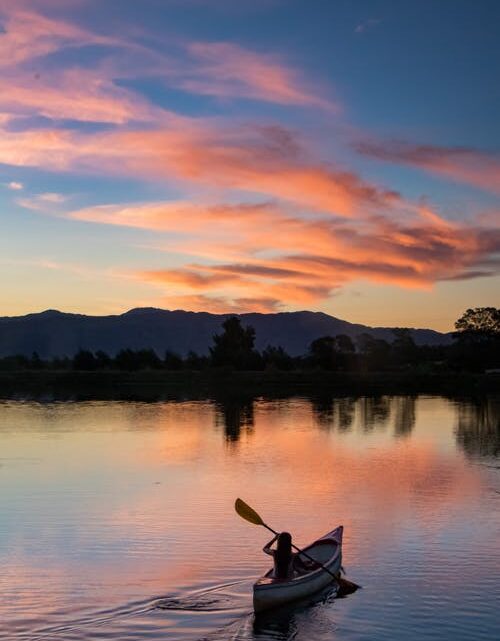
(485, 320)
(323, 352)
(235, 346)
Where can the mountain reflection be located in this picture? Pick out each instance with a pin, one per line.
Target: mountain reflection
(478, 426)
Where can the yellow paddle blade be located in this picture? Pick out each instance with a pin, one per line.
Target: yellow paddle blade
(246, 512)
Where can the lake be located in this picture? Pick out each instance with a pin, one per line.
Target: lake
(117, 519)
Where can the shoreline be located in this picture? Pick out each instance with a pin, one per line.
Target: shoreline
(163, 384)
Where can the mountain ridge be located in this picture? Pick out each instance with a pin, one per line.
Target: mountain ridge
(53, 333)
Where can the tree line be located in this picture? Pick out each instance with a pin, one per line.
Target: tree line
(475, 347)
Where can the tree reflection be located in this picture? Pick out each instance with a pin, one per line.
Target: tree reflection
(478, 426)
(374, 412)
(234, 414)
(334, 413)
(404, 415)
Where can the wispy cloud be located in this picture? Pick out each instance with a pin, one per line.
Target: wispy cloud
(14, 186)
(44, 202)
(461, 164)
(281, 260)
(228, 70)
(267, 161)
(28, 34)
(73, 94)
(92, 94)
(367, 25)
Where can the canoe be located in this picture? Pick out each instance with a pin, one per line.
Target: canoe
(270, 592)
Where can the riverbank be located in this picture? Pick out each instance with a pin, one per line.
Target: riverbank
(161, 384)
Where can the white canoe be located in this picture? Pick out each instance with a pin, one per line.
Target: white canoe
(270, 592)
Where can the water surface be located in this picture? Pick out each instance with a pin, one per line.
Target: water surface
(117, 520)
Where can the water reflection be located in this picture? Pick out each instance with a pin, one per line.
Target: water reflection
(109, 507)
(478, 426)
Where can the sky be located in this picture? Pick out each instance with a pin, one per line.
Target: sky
(260, 155)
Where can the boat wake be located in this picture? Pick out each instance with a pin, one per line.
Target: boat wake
(219, 598)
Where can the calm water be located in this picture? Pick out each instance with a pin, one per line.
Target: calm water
(117, 521)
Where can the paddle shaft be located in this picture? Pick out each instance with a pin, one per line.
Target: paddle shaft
(302, 552)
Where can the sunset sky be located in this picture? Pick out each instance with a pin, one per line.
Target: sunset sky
(251, 155)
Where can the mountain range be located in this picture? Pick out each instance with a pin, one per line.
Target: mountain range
(55, 334)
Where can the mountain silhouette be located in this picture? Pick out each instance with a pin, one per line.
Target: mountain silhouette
(55, 334)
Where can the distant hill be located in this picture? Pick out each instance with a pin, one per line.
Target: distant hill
(53, 333)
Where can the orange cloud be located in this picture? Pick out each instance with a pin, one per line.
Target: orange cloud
(274, 258)
(260, 160)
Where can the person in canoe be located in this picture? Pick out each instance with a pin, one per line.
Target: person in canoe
(282, 555)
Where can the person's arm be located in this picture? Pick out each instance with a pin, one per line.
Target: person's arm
(267, 547)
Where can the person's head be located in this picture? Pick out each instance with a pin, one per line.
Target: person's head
(283, 554)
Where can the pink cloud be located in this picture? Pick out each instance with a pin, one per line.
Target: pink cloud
(28, 34)
(460, 164)
(228, 70)
(263, 161)
(76, 94)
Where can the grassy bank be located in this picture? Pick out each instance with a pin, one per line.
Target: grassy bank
(155, 385)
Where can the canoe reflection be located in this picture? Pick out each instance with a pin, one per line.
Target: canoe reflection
(281, 623)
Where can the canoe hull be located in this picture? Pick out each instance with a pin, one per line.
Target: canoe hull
(269, 593)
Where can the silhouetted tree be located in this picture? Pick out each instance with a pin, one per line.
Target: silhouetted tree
(84, 360)
(103, 360)
(375, 352)
(59, 363)
(16, 362)
(323, 352)
(477, 340)
(36, 362)
(484, 320)
(403, 348)
(277, 358)
(235, 346)
(346, 358)
(194, 361)
(148, 359)
(126, 359)
(172, 361)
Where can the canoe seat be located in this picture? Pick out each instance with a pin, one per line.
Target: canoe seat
(303, 565)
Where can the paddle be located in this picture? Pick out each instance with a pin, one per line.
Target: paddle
(250, 515)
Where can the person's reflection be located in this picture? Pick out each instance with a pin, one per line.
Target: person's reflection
(234, 414)
(404, 415)
(478, 426)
